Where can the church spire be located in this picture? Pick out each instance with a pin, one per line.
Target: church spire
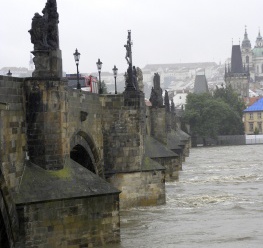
(259, 41)
(246, 42)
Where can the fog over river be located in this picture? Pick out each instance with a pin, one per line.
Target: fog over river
(217, 202)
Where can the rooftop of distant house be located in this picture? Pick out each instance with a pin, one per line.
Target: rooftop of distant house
(257, 106)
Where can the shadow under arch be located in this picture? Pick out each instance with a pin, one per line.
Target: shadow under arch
(83, 150)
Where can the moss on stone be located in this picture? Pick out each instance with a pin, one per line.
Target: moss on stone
(62, 174)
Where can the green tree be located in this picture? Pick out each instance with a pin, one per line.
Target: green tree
(228, 95)
(210, 116)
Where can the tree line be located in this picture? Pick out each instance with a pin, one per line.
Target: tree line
(211, 115)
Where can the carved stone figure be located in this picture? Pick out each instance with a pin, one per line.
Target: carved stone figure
(128, 56)
(50, 16)
(41, 61)
(39, 32)
(131, 78)
(154, 98)
(157, 92)
(172, 106)
(134, 77)
(44, 30)
(45, 37)
(140, 79)
(166, 101)
(156, 81)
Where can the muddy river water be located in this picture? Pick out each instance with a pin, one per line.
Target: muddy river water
(217, 202)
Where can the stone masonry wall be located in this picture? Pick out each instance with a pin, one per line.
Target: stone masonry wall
(12, 130)
(84, 222)
(124, 130)
(46, 114)
(159, 124)
(172, 166)
(88, 127)
(140, 188)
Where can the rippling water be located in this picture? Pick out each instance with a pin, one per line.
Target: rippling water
(217, 202)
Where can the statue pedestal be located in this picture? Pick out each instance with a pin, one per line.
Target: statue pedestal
(47, 63)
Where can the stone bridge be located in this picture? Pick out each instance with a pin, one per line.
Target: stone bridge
(64, 149)
(69, 159)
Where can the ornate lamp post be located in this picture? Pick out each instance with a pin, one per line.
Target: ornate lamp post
(76, 57)
(99, 65)
(115, 72)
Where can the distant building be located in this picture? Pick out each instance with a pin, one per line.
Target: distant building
(178, 71)
(16, 71)
(253, 117)
(237, 75)
(87, 83)
(200, 85)
(253, 57)
(179, 99)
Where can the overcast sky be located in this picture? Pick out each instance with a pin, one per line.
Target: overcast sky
(163, 31)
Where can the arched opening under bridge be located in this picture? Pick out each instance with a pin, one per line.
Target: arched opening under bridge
(80, 155)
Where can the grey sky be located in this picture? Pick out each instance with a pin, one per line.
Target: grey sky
(163, 31)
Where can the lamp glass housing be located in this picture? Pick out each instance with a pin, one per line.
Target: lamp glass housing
(115, 71)
(76, 56)
(99, 65)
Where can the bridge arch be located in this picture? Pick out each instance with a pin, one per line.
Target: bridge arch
(83, 150)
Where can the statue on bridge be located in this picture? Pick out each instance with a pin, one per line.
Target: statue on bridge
(44, 31)
(156, 95)
(45, 37)
(131, 76)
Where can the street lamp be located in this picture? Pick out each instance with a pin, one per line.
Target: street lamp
(115, 72)
(99, 65)
(76, 57)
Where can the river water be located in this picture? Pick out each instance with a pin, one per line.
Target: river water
(217, 202)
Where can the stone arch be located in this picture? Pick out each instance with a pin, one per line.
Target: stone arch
(9, 226)
(83, 150)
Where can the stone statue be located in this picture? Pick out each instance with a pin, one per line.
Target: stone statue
(166, 101)
(128, 56)
(172, 106)
(44, 30)
(50, 16)
(156, 81)
(134, 77)
(45, 37)
(158, 90)
(39, 32)
(140, 79)
(154, 98)
(131, 78)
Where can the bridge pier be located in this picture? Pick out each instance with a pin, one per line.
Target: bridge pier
(127, 167)
(46, 116)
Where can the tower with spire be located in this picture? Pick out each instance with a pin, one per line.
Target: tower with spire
(253, 57)
(258, 58)
(237, 75)
(246, 51)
